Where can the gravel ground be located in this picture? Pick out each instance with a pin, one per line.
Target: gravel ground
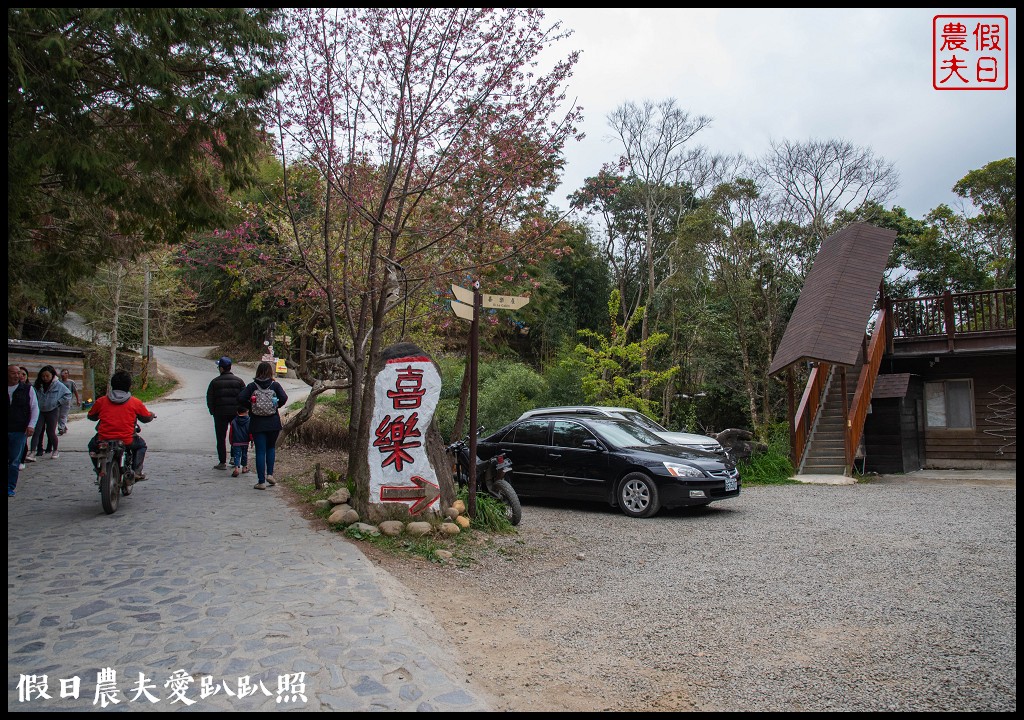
(867, 597)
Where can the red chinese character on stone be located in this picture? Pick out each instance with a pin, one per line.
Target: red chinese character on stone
(954, 37)
(393, 436)
(408, 392)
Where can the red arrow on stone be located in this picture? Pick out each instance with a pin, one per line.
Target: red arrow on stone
(424, 493)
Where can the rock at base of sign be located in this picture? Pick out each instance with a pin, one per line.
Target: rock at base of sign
(450, 528)
(462, 521)
(365, 528)
(443, 555)
(451, 513)
(343, 514)
(392, 528)
(340, 496)
(418, 529)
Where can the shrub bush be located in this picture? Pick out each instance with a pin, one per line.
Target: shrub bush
(773, 466)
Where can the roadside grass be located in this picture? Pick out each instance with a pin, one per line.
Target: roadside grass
(771, 466)
(155, 389)
(767, 468)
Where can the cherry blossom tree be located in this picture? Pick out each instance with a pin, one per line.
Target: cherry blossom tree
(436, 132)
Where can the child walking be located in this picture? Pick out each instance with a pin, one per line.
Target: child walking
(239, 437)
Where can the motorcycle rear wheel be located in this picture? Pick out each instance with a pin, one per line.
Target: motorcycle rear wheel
(110, 488)
(507, 496)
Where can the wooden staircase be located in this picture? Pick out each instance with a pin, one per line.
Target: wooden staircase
(826, 449)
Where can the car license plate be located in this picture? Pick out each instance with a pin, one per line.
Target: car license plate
(730, 484)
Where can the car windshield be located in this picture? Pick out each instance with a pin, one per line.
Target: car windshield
(640, 419)
(626, 434)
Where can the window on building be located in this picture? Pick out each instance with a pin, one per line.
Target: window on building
(950, 404)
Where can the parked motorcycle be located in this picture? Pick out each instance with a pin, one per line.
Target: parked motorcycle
(491, 477)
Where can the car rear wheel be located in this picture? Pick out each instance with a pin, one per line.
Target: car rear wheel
(638, 496)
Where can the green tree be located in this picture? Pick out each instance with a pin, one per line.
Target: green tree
(435, 135)
(573, 283)
(993, 190)
(950, 255)
(615, 371)
(750, 257)
(123, 125)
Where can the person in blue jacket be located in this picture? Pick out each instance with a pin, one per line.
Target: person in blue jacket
(54, 403)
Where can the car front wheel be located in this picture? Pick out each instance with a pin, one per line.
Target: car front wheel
(638, 496)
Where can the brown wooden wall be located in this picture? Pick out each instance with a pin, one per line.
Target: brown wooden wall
(883, 439)
(995, 395)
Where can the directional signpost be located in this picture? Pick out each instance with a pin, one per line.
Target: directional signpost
(466, 305)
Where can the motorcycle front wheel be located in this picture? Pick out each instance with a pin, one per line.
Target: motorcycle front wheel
(507, 496)
(110, 488)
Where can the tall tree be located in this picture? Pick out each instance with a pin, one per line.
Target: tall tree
(435, 137)
(950, 255)
(122, 125)
(751, 257)
(993, 190)
(654, 139)
(821, 178)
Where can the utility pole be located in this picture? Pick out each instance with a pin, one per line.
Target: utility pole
(145, 328)
(145, 312)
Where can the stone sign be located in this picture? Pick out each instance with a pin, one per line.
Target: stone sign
(406, 391)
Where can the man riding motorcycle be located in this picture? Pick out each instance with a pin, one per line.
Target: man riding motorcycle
(117, 413)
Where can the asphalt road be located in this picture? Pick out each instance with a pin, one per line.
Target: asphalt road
(204, 588)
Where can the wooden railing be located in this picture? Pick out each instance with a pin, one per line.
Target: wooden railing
(865, 386)
(810, 402)
(949, 314)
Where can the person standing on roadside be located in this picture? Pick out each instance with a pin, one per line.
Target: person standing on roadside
(222, 401)
(264, 397)
(65, 377)
(22, 415)
(54, 403)
(27, 455)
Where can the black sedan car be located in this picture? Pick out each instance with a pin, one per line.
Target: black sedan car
(610, 460)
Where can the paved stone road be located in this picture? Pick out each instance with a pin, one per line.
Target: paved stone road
(199, 577)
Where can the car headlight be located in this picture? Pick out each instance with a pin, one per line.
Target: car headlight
(678, 470)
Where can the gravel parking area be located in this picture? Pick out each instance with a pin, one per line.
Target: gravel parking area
(867, 597)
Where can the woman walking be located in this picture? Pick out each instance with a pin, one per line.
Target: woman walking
(264, 397)
(54, 404)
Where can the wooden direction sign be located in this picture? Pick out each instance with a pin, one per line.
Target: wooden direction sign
(462, 310)
(500, 302)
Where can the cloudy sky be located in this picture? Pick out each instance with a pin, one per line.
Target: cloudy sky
(864, 76)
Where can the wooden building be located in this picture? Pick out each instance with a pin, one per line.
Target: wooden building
(896, 385)
(36, 354)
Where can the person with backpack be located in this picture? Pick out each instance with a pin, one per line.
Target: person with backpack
(240, 438)
(222, 401)
(264, 397)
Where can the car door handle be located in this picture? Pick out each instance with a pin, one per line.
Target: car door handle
(554, 455)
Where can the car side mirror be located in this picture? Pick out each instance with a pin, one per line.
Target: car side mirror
(592, 445)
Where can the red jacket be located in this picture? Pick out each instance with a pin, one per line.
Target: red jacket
(117, 420)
